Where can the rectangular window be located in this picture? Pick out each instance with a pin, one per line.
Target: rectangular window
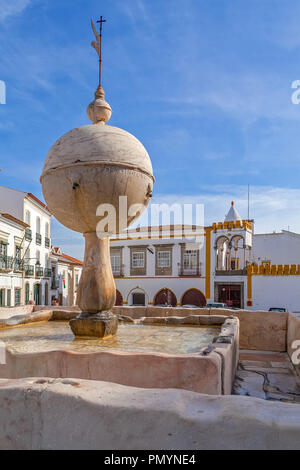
(163, 259)
(115, 259)
(2, 297)
(138, 259)
(190, 259)
(17, 296)
(8, 298)
(3, 248)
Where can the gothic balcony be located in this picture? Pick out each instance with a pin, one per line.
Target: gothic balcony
(231, 272)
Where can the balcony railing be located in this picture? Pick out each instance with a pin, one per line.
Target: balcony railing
(39, 272)
(29, 270)
(18, 265)
(47, 242)
(119, 272)
(184, 271)
(55, 284)
(28, 234)
(231, 272)
(38, 238)
(47, 272)
(6, 262)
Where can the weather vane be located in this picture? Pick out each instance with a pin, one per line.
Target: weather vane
(97, 45)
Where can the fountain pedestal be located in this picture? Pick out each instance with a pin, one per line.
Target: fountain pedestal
(96, 291)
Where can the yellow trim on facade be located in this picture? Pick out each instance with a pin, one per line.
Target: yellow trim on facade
(249, 284)
(207, 261)
(234, 224)
(161, 277)
(274, 270)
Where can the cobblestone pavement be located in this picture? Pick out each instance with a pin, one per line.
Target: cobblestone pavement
(267, 375)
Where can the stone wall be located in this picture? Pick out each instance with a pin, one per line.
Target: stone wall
(261, 330)
(101, 415)
(6, 312)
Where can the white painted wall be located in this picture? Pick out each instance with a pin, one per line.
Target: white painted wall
(276, 291)
(279, 248)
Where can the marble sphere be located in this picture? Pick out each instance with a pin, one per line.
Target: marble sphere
(93, 165)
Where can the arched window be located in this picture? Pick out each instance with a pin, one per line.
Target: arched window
(119, 298)
(47, 230)
(27, 217)
(38, 225)
(193, 297)
(165, 297)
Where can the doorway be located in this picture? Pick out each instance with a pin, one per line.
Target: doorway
(37, 294)
(230, 294)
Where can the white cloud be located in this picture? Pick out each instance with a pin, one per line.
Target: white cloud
(12, 7)
(272, 208)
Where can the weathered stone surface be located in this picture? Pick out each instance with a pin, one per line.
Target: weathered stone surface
(96, 290)
(91, 415)
(99, 325)
(271, 378)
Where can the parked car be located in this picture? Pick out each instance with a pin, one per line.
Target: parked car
(277, 309)
(217, 305)
(190, 306)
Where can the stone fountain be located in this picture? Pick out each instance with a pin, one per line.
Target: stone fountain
(87, 172)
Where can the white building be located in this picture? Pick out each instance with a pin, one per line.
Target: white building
(12, 234)
(36, 245)
(225, 262)
(66, 273)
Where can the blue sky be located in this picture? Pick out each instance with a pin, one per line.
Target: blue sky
(204, 84)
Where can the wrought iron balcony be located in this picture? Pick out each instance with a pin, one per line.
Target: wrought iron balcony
(6, 263)
(39, 272)
(185, 271)
(28, 234)
(47, 272)
(118, 272)
(47, 242)
(18, 265)
(38, 238)
(55, 284)
(29, 270)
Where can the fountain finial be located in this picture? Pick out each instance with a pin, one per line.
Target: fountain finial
(99, 111)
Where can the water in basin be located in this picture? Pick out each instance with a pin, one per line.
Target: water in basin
(57, 335)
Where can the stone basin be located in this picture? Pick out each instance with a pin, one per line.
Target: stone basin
(197, 353)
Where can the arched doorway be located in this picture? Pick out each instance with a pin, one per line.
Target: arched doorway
(119, 298)
(27, 290)
(165, 297)
(37, 294)
(193, 297)
(46, 294)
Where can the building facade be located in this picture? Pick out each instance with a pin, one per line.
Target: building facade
(66, 273)
(30, 270)
(225, 262)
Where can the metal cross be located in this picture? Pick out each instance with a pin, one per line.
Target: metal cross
(101, 21)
